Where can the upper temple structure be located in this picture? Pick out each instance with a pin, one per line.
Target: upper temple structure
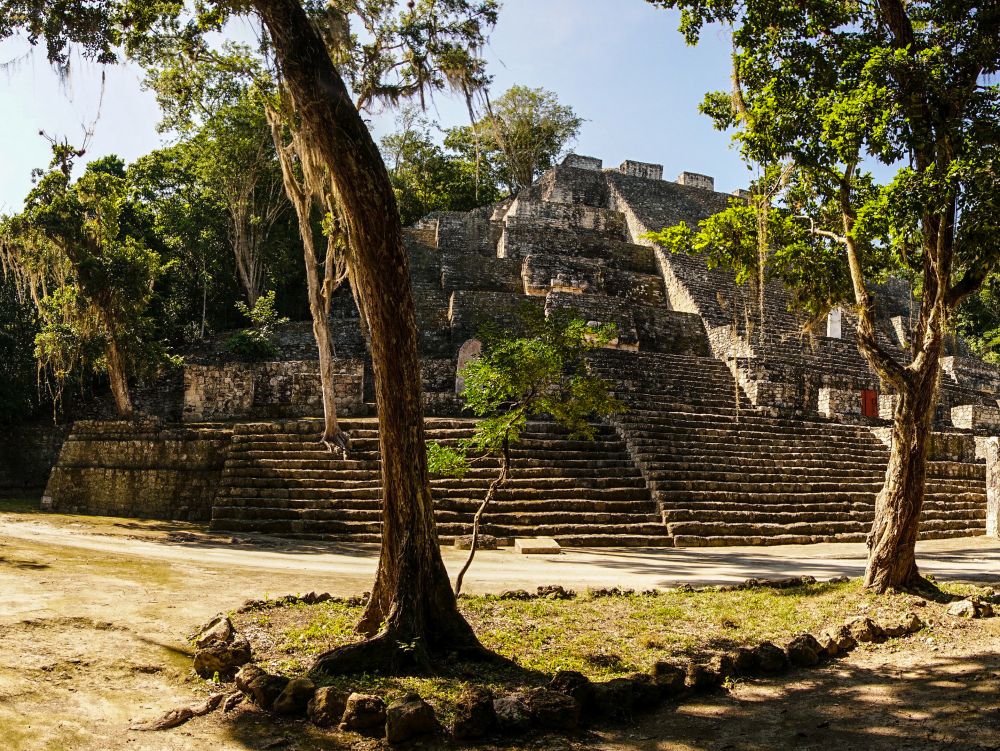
(741, 427)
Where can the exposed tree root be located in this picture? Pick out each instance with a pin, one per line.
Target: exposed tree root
(390, 653)
(337, 443)
(176, 717)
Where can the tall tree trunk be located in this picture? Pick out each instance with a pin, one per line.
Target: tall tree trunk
(119, 380)
(412, 599)
(892, 540)
(318, 307)
(319, 290)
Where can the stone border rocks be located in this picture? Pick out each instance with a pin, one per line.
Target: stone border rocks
(567, 702)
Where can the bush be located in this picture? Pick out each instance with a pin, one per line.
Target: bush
(251, 345)
(257, 343)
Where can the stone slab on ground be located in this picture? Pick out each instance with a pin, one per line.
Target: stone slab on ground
(536, 546)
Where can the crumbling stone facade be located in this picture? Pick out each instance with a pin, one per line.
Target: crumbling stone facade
(743, 427)
(138, 468)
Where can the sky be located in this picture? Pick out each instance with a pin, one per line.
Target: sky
(621, 64)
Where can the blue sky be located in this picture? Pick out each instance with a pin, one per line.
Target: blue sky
(620, 63)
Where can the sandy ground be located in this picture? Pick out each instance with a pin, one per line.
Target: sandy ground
(94, 615)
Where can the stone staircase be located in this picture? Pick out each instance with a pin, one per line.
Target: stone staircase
(725, 473)
(278, 479)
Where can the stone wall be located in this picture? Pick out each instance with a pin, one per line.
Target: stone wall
(993, 487)
(141, 469)
(268, 389)
(27, 454)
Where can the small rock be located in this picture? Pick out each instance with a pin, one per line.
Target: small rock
(486, 542)
(827, 644)
(841, 636)
(741, 661)
(219, 629)
(315, 599)
(863, 629)
(669, 678)
(552, 710)
(804, 651)
(363, 712)
(295, 698)
(620, 697)
(838, 580)
(970, 609)
(702, 677)
(909, 623)
(259, 686)
(326, 708)
(555, 592)
(475, 716)
(769, 658)
(512, 713)
(224, 658)
(409, 718)
(515, 594)
(575, 685)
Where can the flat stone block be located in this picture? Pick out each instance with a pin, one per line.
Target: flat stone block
(536, 546)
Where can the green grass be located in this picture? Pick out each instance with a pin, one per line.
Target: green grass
(602, 637)
(18, 505)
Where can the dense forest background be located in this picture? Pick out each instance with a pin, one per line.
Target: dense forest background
(221, 248)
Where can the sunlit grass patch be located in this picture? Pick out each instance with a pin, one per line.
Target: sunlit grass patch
(602, 637)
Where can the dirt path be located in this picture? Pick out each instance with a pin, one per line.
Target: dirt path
(94, 613)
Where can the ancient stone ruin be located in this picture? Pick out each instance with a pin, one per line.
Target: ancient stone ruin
(739, 431)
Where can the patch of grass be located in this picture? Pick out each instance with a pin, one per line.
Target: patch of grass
(602, 637)
(19, 505)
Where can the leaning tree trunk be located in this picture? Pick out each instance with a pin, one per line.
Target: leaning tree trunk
(300, 194)
(412, 607)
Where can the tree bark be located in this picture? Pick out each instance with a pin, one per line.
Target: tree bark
(413, 612)
(118, 380)
(892, 540)
(319, 291)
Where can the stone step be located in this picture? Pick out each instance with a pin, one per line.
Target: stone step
(757, 516)
(752, 496)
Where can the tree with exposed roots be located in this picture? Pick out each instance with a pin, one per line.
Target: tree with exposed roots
(832, 87)
(413, 614)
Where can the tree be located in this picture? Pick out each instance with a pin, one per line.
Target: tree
(401, 53)
(828, 86)
(412, 603)
(519, 136)
(81, 250)
(234, 159)
(428, 178)
(978, 320)
(18, 328)
(540, 370)
(412, 613)
(257, 342)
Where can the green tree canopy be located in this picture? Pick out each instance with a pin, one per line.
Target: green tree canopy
(539, 369)
(427, 177)
(84, 252)
(522, 134)
(829, 88)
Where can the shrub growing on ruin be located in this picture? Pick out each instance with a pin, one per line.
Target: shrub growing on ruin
(536, 371)
(256, 343)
